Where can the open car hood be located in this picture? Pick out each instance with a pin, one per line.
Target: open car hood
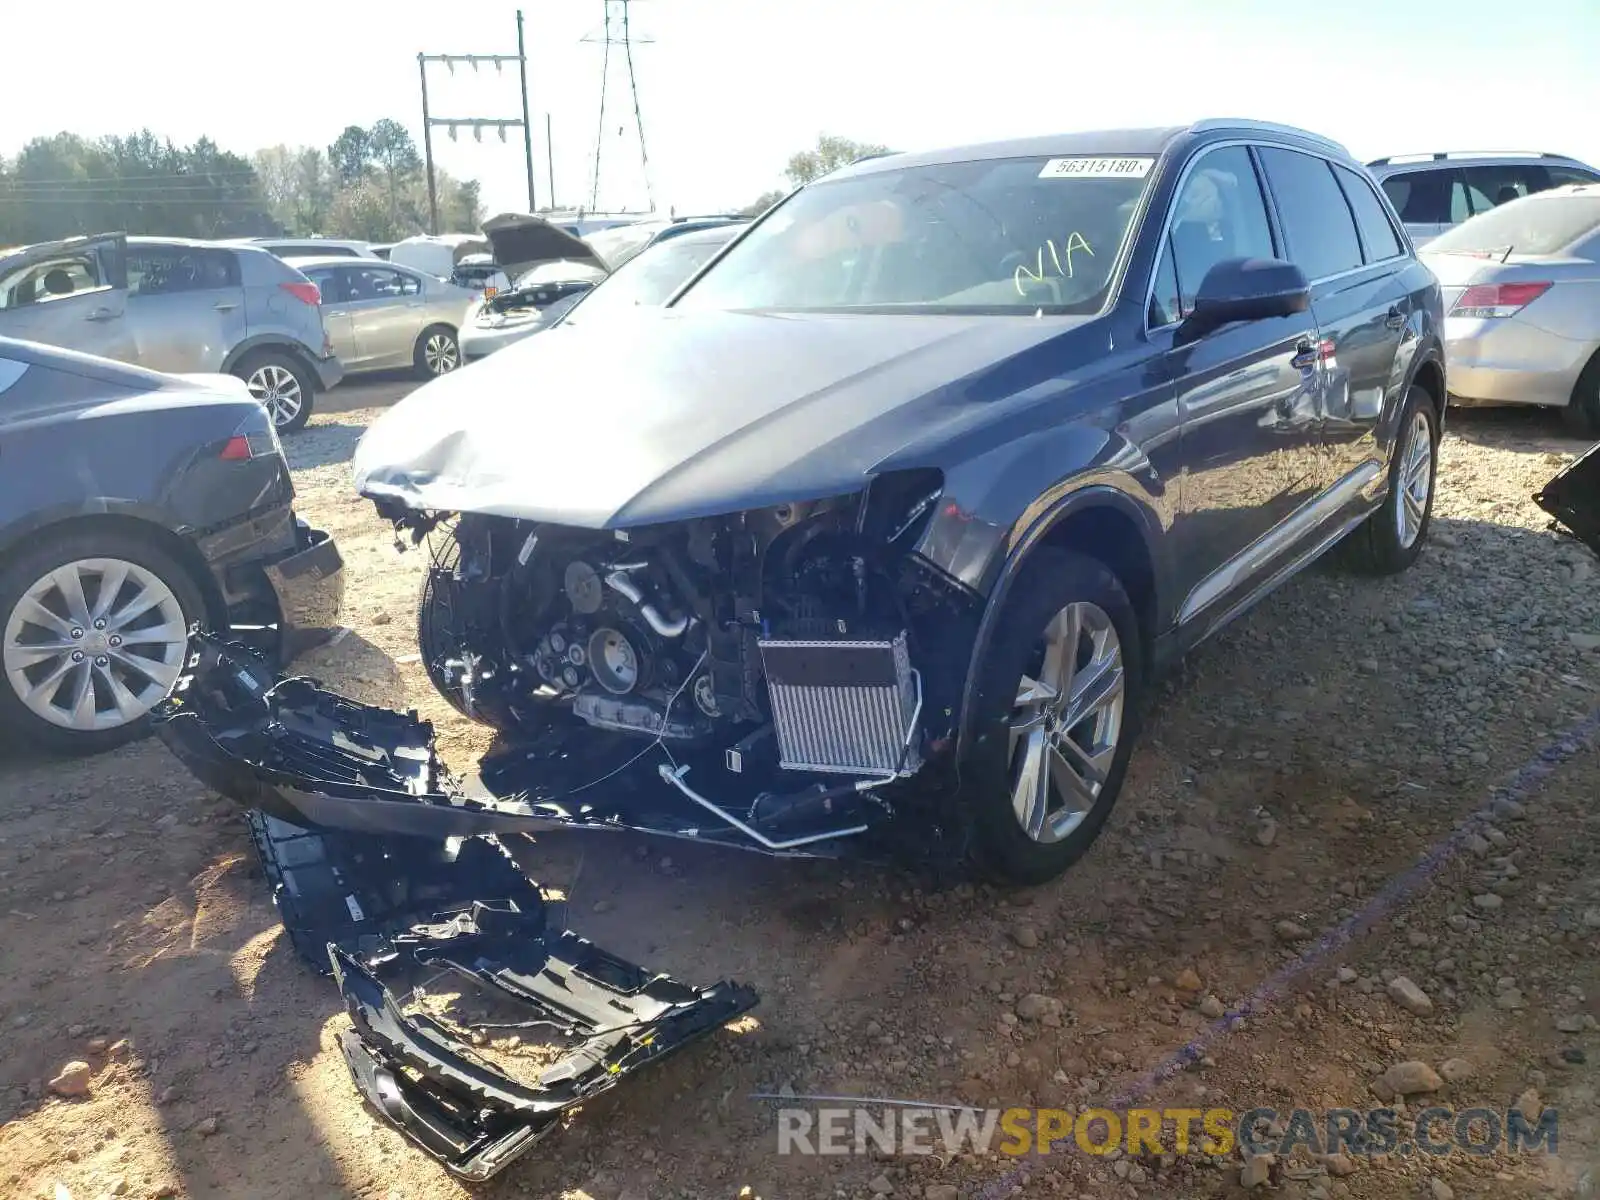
(521, 240)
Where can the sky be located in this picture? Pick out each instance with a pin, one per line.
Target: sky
(729, 89)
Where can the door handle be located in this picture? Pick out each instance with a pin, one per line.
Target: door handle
(1305, 356)
(334, 312)
(1396, 319)
(226, 305)
(101, 314)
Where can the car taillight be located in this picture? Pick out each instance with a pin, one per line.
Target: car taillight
(304, 291)
(1497, 299)
(255, 437)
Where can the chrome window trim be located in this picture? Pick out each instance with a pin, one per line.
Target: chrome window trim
(1373, 186)
(1273, 216)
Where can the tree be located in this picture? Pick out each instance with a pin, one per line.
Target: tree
(351, 155)
(762, 202)
(395, 156)
(830, 154)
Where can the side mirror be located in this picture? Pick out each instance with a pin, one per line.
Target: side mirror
(1245, 289)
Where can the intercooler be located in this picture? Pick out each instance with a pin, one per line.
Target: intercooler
(842, 706)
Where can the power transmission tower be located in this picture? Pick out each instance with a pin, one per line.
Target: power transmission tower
(617, 31)
(476, 124)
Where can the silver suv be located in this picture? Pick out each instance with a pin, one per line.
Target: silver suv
(176, 305)
(1433, 192)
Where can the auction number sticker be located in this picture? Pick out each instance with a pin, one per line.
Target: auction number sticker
(1096, 168)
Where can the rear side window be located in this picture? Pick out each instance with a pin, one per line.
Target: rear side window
(1429, 197)
(1561, 176)
(165, 270)
(1377, 233)
(1317, 224)
(327, 281)
(1491, 187)
(381, 283)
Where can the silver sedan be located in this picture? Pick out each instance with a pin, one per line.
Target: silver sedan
(380, 316)
(1522, 304)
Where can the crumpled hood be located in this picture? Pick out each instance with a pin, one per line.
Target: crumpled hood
(664, 414)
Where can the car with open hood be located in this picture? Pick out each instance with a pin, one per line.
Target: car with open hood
(876, 534)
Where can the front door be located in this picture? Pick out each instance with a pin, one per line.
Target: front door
(1247, 395)
(185, 305)
(71, 293)
(386, 307)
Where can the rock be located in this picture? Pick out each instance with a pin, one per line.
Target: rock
(941, 1191)
(73, 1079)
(1511, 999)
(117, 1186)
(1477, 845)
(1256, 1171)
(1591, 918)
(1188, 980)
(1529, 1105)
(1034, 1007)
(1487, 902)
(206, 1126)
(1339, 1165)
(1025, 936)
(879, 1185)
(1211, 1007)
(1266, 833)
(1455, 1070)
(1290, 931)
(1569, 1023)
(1409, 996)
(1346, 974)
(1367, 666)
(1438, 1189)
(167, 1096)
(1412, 1078)
(97, 1045)
(382, 618)
(1584, 641)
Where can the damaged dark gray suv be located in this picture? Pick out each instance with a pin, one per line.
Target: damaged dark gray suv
(876, 533)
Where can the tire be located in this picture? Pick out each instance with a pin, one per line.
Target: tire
(1108, 648)
(1582, 413)
(438, 352)
(1392, 537)
(283, 383)
(107, 663)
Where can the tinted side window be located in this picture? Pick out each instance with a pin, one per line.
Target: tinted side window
(1428, 197)
(1561, 176)
(165, 270)
(380, 283)
(327, 281)
(1377, 234)
(71, 274)
(1317, 224)
(1220, 214)
(1491, 187)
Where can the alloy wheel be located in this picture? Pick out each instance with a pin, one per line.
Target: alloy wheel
(1416, 481)
(441, 354)
(94, 644)
(1066, 723)
(277, 389)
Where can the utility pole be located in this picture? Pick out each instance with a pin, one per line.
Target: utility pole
(617, 31)
(476, 124)
(550, 160)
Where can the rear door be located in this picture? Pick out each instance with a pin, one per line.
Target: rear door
(1357, 296)
(185, 305)
(71, 293)
(386, 307)
(336, 318)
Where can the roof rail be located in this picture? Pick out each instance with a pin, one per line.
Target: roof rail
(1210, 123)
(873, 155)
(1446, 155)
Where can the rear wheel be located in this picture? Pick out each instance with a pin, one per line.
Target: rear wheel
(1391, 539)
(437, 352)
(282, 383)
(93, 632)
(1582, 413)
(1055, 717)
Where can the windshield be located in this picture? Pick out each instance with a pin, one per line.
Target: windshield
(616, 246)
(650, 278)
(1014, 235)
(1535, 225)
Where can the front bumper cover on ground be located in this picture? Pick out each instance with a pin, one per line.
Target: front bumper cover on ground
(1572, 498)
(373, 911)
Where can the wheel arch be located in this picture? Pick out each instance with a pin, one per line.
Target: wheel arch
(1098, 521)
(270, 341)
(15, 539)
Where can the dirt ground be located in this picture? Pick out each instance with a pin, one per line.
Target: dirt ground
(1321, 748)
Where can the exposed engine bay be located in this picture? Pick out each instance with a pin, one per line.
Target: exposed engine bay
(800, 652)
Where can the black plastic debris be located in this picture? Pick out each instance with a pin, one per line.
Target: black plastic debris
(1572, 498)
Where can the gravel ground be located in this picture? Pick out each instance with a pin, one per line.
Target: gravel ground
(1317, 750)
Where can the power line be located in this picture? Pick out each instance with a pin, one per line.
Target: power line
(626, 41)
(241, 172)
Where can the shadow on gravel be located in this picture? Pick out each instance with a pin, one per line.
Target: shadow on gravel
(1513, 428)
